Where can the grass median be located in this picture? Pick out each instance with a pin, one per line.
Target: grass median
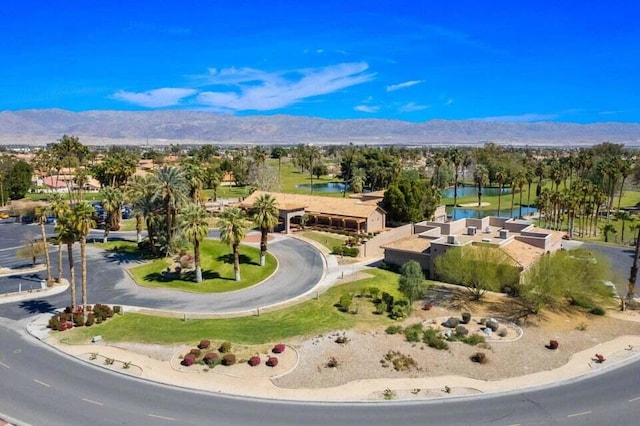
(308, 318)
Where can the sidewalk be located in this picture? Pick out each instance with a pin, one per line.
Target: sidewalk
(56, 288)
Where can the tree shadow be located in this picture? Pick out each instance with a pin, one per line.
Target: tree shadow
(119, 257)
(167, 277)
(34, 277)
(37, 306)
(244, 259)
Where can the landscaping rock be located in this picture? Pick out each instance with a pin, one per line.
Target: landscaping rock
(451, 322)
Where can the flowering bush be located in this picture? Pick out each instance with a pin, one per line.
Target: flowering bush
(204, 344)
(254, 360)
(186, 261)
(278, 349)
(272, 361)
(188, 360)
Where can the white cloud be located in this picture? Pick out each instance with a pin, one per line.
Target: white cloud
(449, 101)
(528, 117)
(366, 108)
(404, 85)
(412, 106)
(257, 90)
(155, 98)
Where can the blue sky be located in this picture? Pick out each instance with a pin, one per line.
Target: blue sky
(407, 60)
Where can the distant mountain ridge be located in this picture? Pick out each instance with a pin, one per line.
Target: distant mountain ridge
(40, 126)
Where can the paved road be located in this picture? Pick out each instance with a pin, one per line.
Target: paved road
(300, 268)
(44, 387)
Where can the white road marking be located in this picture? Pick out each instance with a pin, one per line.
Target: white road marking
(41, 383)
(515, 424)
(635, 399)
(4, 365)
(92, 402)
(10, 248)
(579, 414)
(159, 417)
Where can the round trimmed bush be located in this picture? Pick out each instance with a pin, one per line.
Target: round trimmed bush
(278, 349)
(204, 344)
(188, 360)
(254, 360)
(225, 347)
(228, 359)
(272, 361)
(210, 358)
(195, 352)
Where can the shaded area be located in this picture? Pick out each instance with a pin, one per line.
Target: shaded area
(167, 277)
(37, 306)
(244, 259)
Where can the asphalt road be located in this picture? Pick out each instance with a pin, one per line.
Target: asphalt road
(300, 268)
(42, 386)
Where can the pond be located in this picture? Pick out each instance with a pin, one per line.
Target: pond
(468, 191)
(462, 213)
(324, 187)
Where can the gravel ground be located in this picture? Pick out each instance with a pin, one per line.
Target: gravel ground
(360, 357)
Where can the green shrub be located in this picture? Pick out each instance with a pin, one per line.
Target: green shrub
(374, 292)
(473, 339)
(400, 309)
(91, 319)
(117, 310)
(598, 310)
(225, 347)
(394, 329)
(381, 308)
(345, 302)
(412, 332)
(433, 338)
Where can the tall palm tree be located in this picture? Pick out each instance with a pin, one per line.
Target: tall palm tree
(135, 191)
(194, 174)
(213, 178)
(83, 218)
(500, 178)
(59, 207)
(623, 216)
(455, 156)
(481, 178)
(112, 200)
(67, 234)
(172, 189)
(195, 227)
(41, 214)
(519, 182)
(233, 229)
(625, 168)
(265, 216)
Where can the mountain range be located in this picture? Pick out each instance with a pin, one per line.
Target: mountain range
(41, 126)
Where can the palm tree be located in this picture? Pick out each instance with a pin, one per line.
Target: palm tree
(59, 207)
(265, 216)
(233, 229)
(500, 177)
(519, 182)
(623, 216)
(455, 156)
(213, 178)
(135, 191)
(195, 227)
(481, 178)
(625, 168)
(112, 199)
(194, 174)
(608, 228)
(67, 234)
(41, 214)
(171, 188)
(83, 220)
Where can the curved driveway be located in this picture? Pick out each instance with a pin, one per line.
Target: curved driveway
(41, 386)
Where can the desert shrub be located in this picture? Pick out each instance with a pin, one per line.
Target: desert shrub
(204, 344)
(381, 308)
(553, 344)
(374, 292)
(351, 251)
(582, 326)
(254, 360)
(278, 349)
(91, 319)
(393, 329)
(466, 317)
(195, 352)
(387, 299)
(210, 358)
(426, 306)
(597, 310)
(479, 357)
(412, 333)
(102, 312)
(228, 359)
(345, 302)
(400, 309)
(461, 331)
(272, 361)
(332, 362)
(78, 320)
(473, 339)
(188, 360)
(54, 322)
(341, 340)
(400, 361)
(225, 347)
(186, 261)
(433, 338)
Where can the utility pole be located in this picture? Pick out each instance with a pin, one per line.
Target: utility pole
(631, 289)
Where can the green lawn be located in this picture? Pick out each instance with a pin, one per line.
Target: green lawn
(324, 238)
(118, 246)
(309, 318)
(290, 176)
(217, 270)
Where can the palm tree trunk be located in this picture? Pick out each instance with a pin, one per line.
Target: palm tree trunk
(59, 277)
(236, 262)
(138, 228)
(72, 274)
(513, 197)
(151, 236)
(263, 245)
(520, 212)
(107, 228)
(499, 197)
(455, 191)
(196, 260)
(621, 188)
(631, 287)
(47, 259)
(83, 273)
